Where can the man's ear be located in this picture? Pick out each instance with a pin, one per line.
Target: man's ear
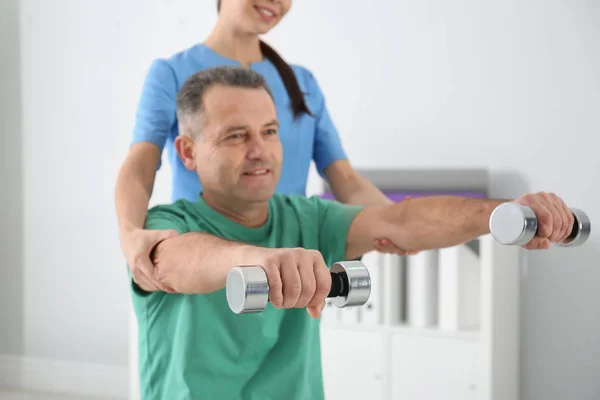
(185, 148)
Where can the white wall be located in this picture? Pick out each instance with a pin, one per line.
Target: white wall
(11, 186)
(510, 85)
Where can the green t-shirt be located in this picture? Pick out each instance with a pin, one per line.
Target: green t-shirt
(195, 347)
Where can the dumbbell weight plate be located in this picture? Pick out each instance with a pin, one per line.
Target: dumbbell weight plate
(582, 227)
(247, 290)
(513, 224)
(359, 281)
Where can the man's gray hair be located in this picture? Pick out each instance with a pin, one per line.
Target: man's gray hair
(190, 105)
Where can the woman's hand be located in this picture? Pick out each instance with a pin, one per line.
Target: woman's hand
(386, 245)
(137, 245)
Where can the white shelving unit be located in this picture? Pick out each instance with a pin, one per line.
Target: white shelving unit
(390, 360)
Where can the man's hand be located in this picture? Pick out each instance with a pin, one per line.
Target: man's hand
(297, 277)
(435, 222)
(555, 220)
(136, 246)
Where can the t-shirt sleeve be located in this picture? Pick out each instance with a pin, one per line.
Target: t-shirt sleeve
(156, 110)
(164, 217)
(327, 145)
(335, 219)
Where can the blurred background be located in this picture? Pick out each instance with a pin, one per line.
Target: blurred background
(509, 86)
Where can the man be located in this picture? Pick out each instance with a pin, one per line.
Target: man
(191, 345)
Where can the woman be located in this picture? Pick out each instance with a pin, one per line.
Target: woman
(307, 132)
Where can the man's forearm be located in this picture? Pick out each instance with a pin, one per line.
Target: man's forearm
(437, 221)
(199, 262)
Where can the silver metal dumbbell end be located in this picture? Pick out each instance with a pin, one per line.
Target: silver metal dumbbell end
(247, 288)
(516, 224)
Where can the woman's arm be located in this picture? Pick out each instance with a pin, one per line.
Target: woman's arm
(154, 119)
(349, 187)
(135, 184)
(133, 190)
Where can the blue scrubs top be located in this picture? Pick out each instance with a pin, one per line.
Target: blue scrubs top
(305, 139)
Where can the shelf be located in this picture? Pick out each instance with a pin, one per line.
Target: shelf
(470, 335)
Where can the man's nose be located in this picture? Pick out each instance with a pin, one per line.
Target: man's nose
(256, 147)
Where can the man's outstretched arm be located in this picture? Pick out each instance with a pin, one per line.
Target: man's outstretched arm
(443, 221)
(198, 262)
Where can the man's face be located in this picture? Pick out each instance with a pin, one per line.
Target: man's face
(238, 154)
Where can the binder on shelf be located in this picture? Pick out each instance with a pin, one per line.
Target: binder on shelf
(422, 289)
(394, 289)
(459, 288)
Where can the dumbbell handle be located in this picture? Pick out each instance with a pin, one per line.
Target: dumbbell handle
(247, 288)
(512, 223)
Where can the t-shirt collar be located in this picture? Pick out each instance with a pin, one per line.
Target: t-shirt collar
(233, 229)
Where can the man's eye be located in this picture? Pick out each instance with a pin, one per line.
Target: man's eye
(234, 136)
(272, 131)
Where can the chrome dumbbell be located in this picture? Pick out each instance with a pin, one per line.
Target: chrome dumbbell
(516, 224)
(247, 288)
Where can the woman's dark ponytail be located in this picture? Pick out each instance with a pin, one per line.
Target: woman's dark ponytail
(287, 76)
(289, 80)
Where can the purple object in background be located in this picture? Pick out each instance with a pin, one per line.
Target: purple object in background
(399, 196)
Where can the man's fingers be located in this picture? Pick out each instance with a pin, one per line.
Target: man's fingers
(307, 279)
(292, 285)
(554, 219)
(551, 200)
(538, 243)
(544, 218)
(273, 271)
(571, 222)
(315, 311)
(322, 280)
(568, 222)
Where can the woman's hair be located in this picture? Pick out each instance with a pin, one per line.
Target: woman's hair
(287, 76)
